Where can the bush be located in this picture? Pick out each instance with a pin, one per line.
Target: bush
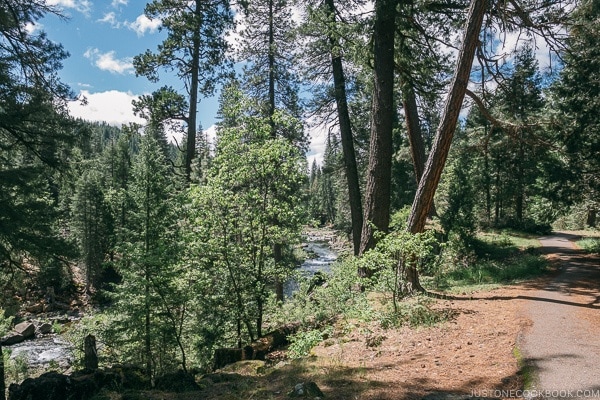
(302, 342)
(590, 245)
(414, 312)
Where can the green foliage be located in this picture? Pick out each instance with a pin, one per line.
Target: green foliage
(301, 343)
(394, 254)
(458, 217)
(151, 303)
(573, 108)
(15, 369)
(5, 322)
(414, 312)
(251, 202)
(492, 259)
(92, 222)
(55, 273)
(34, 134)
(590, 245)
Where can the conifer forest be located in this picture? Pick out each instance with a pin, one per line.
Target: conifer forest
(452, 129)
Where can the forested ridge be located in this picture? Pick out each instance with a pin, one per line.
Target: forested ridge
(437, 130)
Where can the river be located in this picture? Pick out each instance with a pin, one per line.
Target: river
(49, 350)
(43, 351)
(321, 258)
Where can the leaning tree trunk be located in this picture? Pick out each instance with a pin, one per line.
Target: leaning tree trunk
(379, 174)
(445, 132)
(415, 135)
(351, 169)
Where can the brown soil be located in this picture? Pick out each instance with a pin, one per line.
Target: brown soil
(471, 355)
(475, 354)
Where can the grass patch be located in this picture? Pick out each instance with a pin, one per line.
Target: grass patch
(526, 371)
(590, 245)
(415, 312)
(494, 259)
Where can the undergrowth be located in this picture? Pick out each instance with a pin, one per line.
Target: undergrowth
(489, 259)
(590, 245)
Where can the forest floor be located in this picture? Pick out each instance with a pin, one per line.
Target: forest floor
(490, 347)
(539, 335)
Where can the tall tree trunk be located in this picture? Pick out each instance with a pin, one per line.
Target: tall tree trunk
(147, 340)
(443, 139)
(379, 173)
(488, 178)
(350, 166)
(415, 135)
(277, 247)
(193, 96)
(520, 199)
(591, 217)
(271, 68)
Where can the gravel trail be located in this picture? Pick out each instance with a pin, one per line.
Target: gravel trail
(563, 344)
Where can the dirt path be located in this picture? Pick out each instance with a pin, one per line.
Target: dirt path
(563, 343)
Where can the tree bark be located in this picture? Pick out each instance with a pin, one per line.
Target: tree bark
(415, 135)
(193, 96)
(445, 132)
(90, 353)
(591, 217)
(379, 174)
(271, 68)
(350, 166)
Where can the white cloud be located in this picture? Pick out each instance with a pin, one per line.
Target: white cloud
(31, 28)
(112, 107)
(83, 6)
(318, 141)
(143, 24)
(108, 62)
(84, 85)
(117, 3)
(110, 18)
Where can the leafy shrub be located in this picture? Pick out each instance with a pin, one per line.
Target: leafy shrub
(417, 312)
(590, 245)
(302, 342)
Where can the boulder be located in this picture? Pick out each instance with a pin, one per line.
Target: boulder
(306, 390)
(177, 382)
(54, 386)
(35, 308)
(27, 329)
(81, 385)
(12, 338)
(44, 328)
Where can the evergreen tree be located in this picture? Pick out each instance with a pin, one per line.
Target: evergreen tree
(33, 131)
(93, 223)
(269, 77)
(576, 97)
(194, 48)
(149, 306)
(519, 99)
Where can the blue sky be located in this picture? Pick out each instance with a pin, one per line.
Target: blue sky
(102, 38)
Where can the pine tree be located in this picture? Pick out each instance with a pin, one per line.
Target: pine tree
(269, 78)
(195, 48)
(150, 303)
(33, 132)
(576, 95)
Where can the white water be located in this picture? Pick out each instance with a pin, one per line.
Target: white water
(322, 257)
(43, 351)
